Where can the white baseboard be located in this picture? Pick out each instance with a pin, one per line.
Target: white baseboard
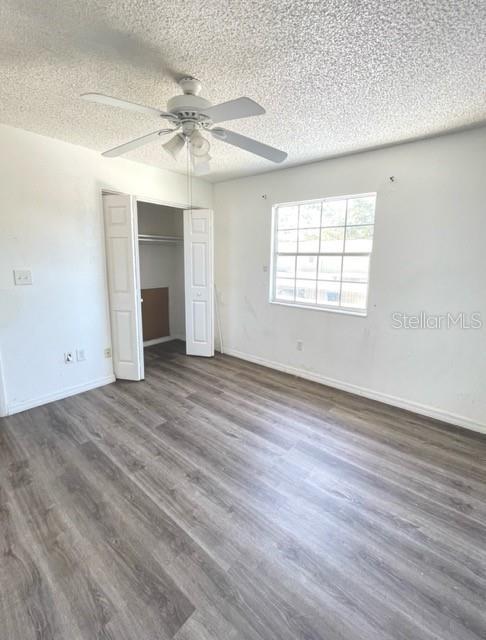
(150, 343)
(16, 407)
(402, 403)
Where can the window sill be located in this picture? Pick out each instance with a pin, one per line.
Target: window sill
(313, 307)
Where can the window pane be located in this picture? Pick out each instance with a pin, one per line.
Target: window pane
(361, 210)
(287, 217)
(307, 267)
(285, 266)
(328, 293)
(322, 252)
(287, 242)
(359, 239)
(356, 268)
(353, 295)
(284, 290)
(333, 213)
(305, 291)
(309, 241)
(329, 268)
(310, 215)
(332, 240)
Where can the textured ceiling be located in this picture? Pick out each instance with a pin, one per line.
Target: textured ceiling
(334, 77)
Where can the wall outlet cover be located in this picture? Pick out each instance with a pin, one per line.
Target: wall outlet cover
(80, 355)
(68, 357)
(22, 276)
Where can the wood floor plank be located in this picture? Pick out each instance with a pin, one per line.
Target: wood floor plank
(221, 500)
(28, 608)
(130, 558)
(206, 627)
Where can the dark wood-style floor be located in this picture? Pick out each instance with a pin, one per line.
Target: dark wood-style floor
(219, 500)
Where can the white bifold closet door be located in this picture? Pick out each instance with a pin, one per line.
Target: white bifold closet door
(121, 236)
(199, 282)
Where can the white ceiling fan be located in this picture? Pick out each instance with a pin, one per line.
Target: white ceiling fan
(190, 116)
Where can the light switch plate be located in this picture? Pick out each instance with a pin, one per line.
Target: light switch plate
(22, 276)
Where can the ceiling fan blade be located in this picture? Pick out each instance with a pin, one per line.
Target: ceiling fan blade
(234, 109)
(125, 104)
(134, 144)
(248, 144)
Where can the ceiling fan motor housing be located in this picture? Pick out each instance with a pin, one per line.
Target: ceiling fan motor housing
(190, 85)
(188, 106)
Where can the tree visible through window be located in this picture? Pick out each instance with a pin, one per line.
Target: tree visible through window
(321, 252)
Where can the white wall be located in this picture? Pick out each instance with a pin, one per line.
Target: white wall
(51, 223)
(162, 265)
(429, 255)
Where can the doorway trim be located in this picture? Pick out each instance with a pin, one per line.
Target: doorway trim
(3, 391)
(109, 189)
(106, 189)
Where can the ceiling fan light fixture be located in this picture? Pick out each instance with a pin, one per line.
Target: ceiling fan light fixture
(199, 145)
(175, 145)
(200, 164)
(197, 160)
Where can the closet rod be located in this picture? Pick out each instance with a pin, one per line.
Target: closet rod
(145, 237)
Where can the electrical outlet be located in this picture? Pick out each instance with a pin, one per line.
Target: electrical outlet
(300, 345)
(80, 355)
(68, 357)
(108, 352)
(22, 277)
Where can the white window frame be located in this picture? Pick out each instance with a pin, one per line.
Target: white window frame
(274, 253)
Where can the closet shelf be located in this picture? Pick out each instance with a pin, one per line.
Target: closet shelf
(146, 237)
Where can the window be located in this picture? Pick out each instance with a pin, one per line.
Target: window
(321, 253)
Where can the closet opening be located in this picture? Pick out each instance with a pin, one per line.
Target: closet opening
(160, 279)
(162, 286)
